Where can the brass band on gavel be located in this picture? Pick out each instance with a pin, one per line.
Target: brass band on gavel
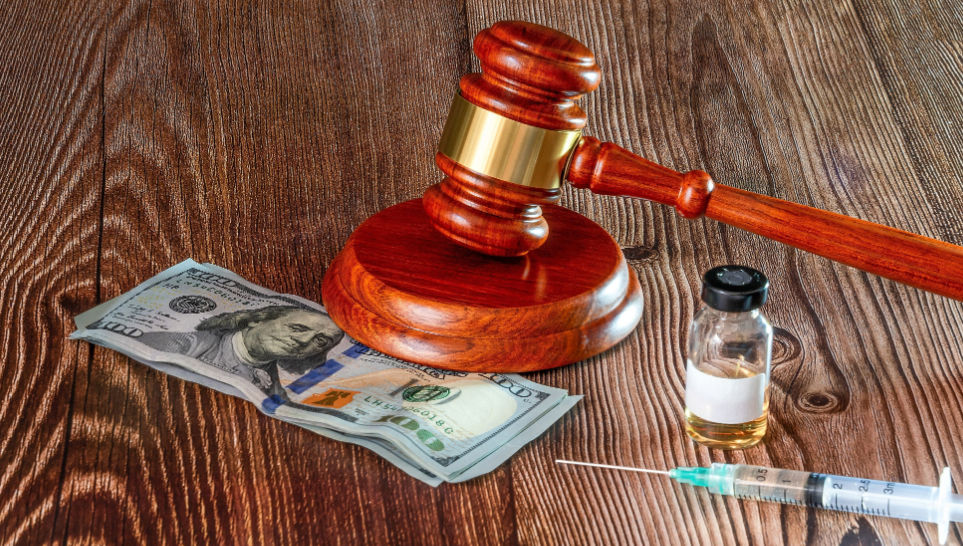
(496, 146)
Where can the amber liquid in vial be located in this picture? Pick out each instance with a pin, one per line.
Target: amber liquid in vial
(726, 435)
(729, 435)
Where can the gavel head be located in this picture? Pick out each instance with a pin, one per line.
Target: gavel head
(510, 134)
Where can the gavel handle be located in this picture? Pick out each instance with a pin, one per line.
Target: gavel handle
(899, 255)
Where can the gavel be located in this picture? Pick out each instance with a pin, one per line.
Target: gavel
(514, 134)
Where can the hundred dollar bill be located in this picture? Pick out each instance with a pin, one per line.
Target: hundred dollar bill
(284, 354)
(379, 446)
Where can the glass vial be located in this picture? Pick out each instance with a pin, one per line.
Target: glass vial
(727, 366)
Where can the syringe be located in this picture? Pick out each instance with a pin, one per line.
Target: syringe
(879, 498)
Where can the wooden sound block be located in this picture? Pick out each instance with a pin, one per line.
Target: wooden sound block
(403, 289)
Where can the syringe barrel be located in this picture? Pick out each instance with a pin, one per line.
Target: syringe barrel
(891, 499)
(842, 493)
(770, 484)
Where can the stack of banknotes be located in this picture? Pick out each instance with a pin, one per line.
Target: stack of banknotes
(283, 353)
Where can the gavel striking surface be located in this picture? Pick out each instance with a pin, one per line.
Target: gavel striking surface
(401, 287)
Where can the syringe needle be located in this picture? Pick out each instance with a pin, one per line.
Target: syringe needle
(613, 467)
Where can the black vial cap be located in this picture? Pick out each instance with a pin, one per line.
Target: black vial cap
(734, 288)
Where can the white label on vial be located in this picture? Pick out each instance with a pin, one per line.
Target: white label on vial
(724, 400)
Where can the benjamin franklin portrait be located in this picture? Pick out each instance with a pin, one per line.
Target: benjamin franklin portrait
(253, 344)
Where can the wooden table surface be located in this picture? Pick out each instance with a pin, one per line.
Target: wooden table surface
(257, 137)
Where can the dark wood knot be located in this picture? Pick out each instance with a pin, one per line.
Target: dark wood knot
(861, 534)
(819, 402)
(785, 347)
(639, 254)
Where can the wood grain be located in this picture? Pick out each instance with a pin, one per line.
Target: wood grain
(52, 172)
(259, 136)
